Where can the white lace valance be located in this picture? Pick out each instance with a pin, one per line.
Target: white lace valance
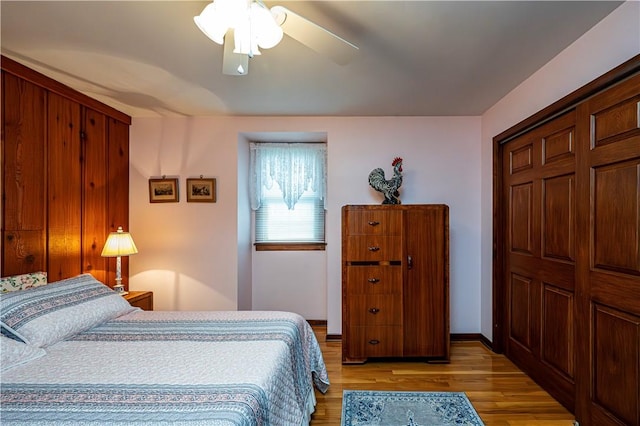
(295, 167)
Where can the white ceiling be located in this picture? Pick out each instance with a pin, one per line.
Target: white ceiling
(424, 58)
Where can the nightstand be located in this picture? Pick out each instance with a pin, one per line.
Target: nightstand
(140, 299)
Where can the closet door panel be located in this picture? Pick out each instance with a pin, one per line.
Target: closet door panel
(24, 176)
(608, 194)
(558, 330)
(616, 365)
(64, 188)
(539, 186)
(94, 187)
(616, 217)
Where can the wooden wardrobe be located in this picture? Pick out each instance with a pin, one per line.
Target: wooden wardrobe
(65, 177)
(567, 233)
(395, 282)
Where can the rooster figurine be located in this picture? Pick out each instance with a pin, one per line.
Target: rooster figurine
(389, 188)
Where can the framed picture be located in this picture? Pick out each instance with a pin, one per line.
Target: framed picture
(164, 190)
(201, 190)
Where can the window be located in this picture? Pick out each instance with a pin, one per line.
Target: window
(288, 186)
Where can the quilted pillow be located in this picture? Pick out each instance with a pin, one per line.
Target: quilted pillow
(45, 315)
(14, 353)
(23, 282)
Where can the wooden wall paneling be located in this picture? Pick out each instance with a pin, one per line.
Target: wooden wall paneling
(94, 192)
(24, 177)
(66, 196)
(118, 191)
(64, 188)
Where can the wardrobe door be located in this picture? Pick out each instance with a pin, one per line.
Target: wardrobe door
(64, 188)
(539, 189)
(609, 257)
(24, 176)
(426, 284)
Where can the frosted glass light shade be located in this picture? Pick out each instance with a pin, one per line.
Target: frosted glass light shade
(212, 23)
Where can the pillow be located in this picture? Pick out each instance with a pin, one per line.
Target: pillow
(23, 282)
(45, 315)
(14, 353)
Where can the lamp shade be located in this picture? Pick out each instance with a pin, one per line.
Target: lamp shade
(119, 243)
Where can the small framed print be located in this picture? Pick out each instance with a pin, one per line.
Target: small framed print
(164, 190)
(201, 190)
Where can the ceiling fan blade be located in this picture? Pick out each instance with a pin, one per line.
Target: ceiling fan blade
(314, 36)
(233, 63)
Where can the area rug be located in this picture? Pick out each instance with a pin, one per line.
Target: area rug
(381, 408)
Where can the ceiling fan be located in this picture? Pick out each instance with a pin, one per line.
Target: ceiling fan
(245, 26)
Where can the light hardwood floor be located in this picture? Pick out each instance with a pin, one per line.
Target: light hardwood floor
(501, 393)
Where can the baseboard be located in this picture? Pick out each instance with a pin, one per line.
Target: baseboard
(455, 337)
(475, 337)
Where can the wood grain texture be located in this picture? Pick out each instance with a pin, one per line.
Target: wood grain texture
(94, 193)
(66, 175)
(501, 393)
(64, 202)
(23, 177)
(395, 286)
(118, 191)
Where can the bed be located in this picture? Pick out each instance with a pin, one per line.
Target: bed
(73, 352)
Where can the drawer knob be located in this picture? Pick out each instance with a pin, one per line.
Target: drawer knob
(374, 341)
(374, 310)
(373, 280)
(374, 248)
(374, 223)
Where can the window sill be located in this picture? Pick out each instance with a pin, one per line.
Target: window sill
(289, 246)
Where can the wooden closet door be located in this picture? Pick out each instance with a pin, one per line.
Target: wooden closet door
(609, 257)
(24, 177)
(539, 190)
(64, 188)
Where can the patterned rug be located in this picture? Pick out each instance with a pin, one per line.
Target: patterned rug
(380, 408)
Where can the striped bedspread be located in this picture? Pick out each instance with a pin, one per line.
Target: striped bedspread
(183, 368)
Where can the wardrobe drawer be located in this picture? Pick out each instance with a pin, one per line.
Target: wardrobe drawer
(378, 341)
(373, 248)
(374, 279)
(376, 309)
(374, 222)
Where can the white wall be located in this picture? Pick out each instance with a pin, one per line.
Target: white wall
(611, 42)
(189, 254)
(194, 256)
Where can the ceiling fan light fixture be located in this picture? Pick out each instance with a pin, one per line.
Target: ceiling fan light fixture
(253, 24)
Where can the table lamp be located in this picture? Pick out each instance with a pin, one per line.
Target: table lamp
(119, 244)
